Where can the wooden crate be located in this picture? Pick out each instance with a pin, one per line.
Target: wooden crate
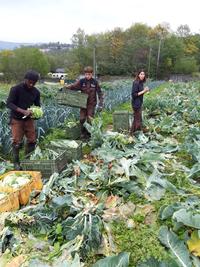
(122, 120)
(72, 98)
(24, 191)
(9, 202)
(36, 181)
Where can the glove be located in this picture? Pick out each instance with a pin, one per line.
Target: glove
(63, 89)
(99, 108)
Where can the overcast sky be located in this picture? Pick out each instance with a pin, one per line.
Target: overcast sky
(58, 20)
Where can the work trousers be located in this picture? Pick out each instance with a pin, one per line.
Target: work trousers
(21, 128)
(86, 114)
(137, 120)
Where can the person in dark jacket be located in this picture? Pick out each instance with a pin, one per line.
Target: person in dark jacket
(90, 86)
(138, 91)
(22, 97)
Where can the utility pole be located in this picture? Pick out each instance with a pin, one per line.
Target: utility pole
(94, 61)
(149, 64)
(158, 57)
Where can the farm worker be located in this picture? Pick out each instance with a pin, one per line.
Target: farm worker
(62, 80)
(138, 91)
(20, 98)
(90, 86)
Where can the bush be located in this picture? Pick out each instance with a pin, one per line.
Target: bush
(186, 65)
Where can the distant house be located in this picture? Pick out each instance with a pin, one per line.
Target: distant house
(61, 70)
(45, 50)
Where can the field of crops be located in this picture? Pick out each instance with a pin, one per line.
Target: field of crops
(133, 201)
(54, 115)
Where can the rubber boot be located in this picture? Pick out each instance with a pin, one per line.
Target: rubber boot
(85, 135)
(29, 148)
(16, 160)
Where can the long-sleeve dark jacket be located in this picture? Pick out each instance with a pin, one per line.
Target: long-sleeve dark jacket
(21, 96)
(137, 87)
(90, 87)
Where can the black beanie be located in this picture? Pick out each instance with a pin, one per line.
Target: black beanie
(32, 75)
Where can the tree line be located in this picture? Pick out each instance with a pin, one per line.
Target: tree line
(158, 50)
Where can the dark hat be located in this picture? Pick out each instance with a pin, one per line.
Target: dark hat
(32, 75)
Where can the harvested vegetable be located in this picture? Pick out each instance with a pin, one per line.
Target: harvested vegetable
(64, 143)
(72, 124)
(45, 154)
(37, 112)
(2, 195)
(16, 180)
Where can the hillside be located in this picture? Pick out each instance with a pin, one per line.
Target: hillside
(11, 45)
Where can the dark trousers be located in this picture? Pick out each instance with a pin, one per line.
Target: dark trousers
(86, 114)
(137, 120)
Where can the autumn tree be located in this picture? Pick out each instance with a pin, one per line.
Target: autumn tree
(15, 63)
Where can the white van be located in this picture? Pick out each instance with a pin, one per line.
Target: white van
(57, 75)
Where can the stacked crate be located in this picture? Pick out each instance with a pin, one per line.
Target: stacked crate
(122, 121)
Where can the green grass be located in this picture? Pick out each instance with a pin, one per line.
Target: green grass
(133, 197)
(4, 87)
(156, 91)
(86, 149)
(106, 118)
(141, 241)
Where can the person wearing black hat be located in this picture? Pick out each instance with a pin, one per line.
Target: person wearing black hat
(22, 97)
